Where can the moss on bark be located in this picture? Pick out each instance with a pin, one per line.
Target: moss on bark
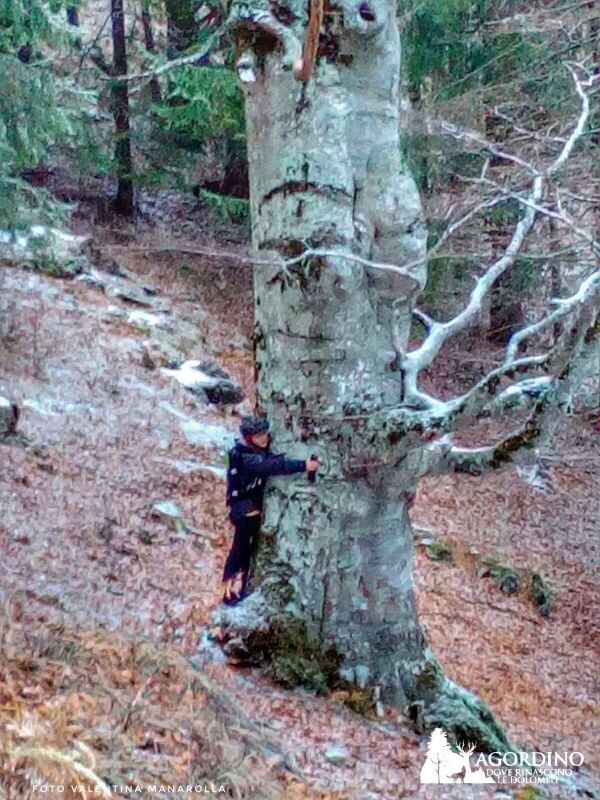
(439, 702)
(293, 656)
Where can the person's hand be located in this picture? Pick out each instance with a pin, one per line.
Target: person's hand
(312, 464)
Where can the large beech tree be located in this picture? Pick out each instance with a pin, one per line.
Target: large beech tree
(340, 245)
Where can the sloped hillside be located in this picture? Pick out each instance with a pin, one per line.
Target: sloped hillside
(113, 537)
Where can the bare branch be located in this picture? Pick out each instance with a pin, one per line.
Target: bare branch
(97, 57)
(519, 395)
(560, 216)
(527, 134)
(454, 226)
(423, 318)
(444, 456)
(440, 332)
(278, 261)
(566, 151)
(416, 360)
(190, 60)
(404, 271)
(477, 460)
(463, 135)
(566, 306)
(548, 395)
(93, 44)
(480, 401)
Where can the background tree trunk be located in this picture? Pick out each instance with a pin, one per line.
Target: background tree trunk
(182, 28)
(124, 202)
(326, 172)
(73, 15)
(506, 304)
(151, 48)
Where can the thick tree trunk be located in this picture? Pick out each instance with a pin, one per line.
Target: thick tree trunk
(326, 172)
(124, 202)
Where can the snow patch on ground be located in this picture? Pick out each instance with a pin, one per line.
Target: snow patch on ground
(191, 376)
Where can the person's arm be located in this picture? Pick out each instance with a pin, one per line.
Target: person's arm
(272, 464)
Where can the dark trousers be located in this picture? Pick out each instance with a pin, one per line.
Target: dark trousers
(243, 548)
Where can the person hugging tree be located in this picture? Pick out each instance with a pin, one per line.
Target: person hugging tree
(250, 464)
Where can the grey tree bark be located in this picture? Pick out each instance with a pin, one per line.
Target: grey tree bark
(326, 173)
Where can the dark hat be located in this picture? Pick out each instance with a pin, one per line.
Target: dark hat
(253, 425)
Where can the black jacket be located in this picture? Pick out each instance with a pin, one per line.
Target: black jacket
(247, 473)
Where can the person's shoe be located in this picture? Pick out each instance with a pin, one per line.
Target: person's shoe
(232, 600)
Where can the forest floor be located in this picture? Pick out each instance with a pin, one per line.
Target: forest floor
(106, 607)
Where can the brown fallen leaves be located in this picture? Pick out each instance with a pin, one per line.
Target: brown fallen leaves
(75, 695)
(108, 714)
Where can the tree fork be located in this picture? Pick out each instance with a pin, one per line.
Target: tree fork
(337, 556)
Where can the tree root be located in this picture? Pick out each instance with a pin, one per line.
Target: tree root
(439, 702)
(238, 624)
(431, 699)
